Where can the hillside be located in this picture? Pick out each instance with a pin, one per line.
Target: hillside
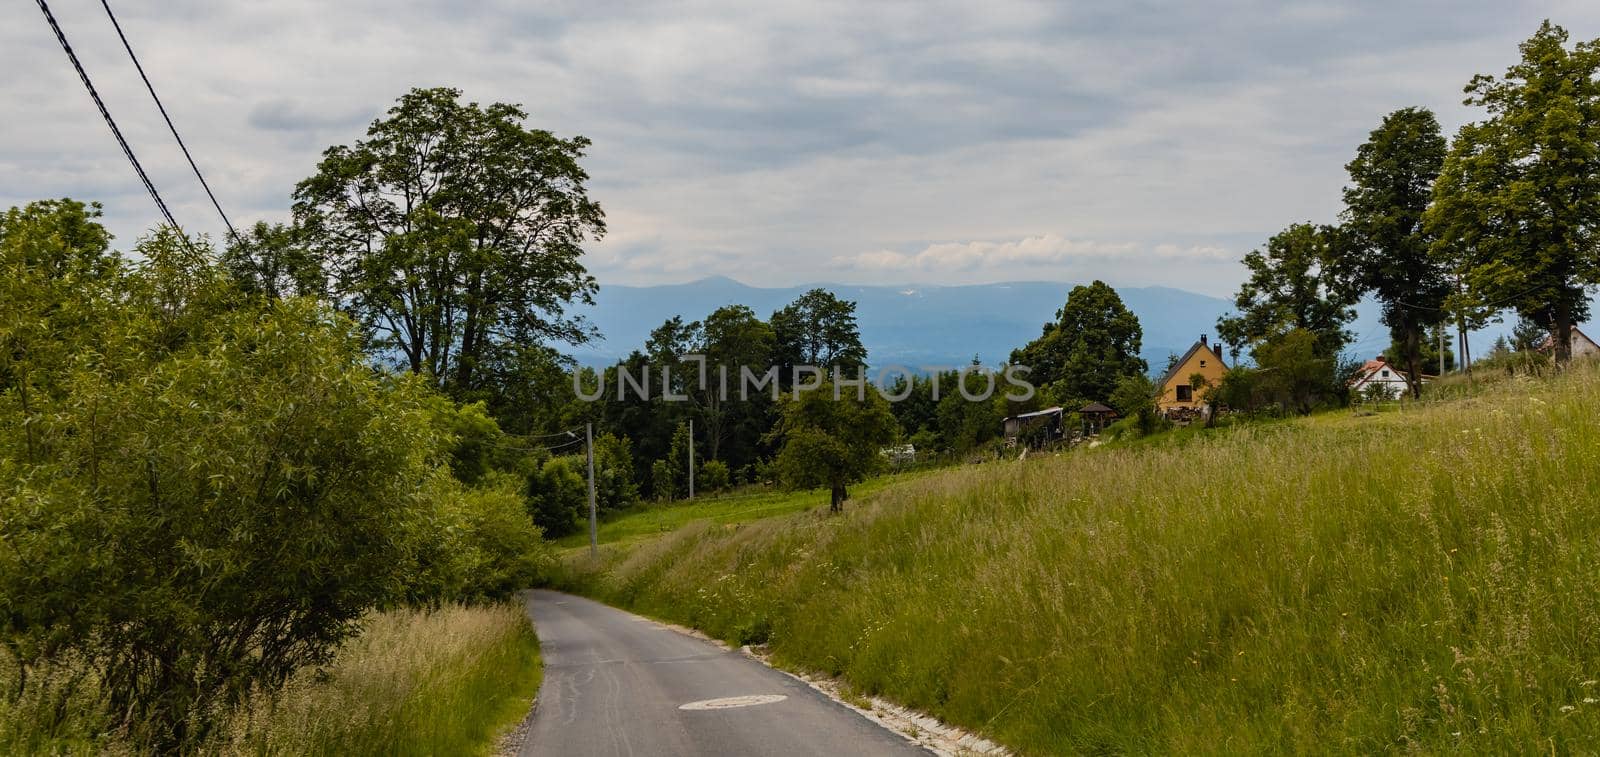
(1337, 584)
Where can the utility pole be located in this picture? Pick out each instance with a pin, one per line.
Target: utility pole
(594, 527)
(691, 458)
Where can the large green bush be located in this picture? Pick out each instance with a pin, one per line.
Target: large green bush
(200, 491)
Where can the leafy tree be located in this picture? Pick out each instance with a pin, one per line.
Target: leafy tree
(817, 329)
(1135, 397)
(1205, 393)
(198, 495)
(615, 487)
(58, 277)
(1428, 350)
(1528, 335)
(646, 421)
(1517, 206)
(453, 232)
(1391, 184)
(1295, 283)
(962, 423)
(831, 442)
(733, 337)
(713, 476)
(1294, 373)
(678, 459)
(1091, 345)
(558, 495)
(662, 484)
(273, 261)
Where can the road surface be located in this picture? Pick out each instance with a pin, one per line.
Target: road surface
(616, 684)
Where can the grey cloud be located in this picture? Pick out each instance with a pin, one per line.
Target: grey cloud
(290, 116)
(766, 140)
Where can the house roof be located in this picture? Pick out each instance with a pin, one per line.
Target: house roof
(1173, 371)
(1095, 407)
(1577, 334)
(1373, 366)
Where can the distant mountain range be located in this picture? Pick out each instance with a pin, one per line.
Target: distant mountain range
(920, 326)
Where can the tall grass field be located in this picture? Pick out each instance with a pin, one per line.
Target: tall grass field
(1419, 581)
(446, 681)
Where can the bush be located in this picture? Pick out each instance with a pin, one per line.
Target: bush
(713, 476)
(203, 492)
(558, 496)
(199, 496)
(476, 544)
(662, 483)
(615, 488)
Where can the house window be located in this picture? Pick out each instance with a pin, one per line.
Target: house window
(1185, 393)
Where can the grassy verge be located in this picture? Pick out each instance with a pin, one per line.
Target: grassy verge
(652, 520)
(415, 683)
(449, 681)
(1398, 582)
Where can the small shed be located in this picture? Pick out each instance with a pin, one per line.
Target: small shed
(1048, 419)
(1096, 417)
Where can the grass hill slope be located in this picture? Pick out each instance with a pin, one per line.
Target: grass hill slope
(1341, 584)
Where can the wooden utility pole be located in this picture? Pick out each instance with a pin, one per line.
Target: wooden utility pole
(691, 458)
(1441, 352)
(594, 526)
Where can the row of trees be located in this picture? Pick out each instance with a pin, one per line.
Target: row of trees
(1448, 234)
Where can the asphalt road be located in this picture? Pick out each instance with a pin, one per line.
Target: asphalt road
(615, 684)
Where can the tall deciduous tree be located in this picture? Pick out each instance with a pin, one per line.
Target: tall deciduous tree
(817, 329)
(732, 337)
(1295, 283)
(273, 261)
(1391, 184)
(830, 441)
(1517, 205)
(1092, 344)
(453, 231)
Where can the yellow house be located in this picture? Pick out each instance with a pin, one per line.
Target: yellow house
(1204, 359)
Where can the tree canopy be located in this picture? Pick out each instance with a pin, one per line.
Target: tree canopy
(1092, 344)
(1388, 251)
(1294, 283)
(1516, 208)
(453, 232)
(817, 329)
(831, 442)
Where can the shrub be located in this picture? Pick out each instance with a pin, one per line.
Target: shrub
(558, 496)
(713, 476)
(199, 496)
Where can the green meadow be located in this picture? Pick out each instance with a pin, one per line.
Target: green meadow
(1422, 580)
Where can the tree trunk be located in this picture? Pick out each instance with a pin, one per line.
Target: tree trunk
(1414, 360)
(839, 496)
(1562, 336)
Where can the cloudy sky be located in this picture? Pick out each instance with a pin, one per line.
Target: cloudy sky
(1138, 142)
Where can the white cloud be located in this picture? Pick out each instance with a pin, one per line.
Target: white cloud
(1050, 251)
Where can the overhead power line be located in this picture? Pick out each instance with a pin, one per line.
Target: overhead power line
(110, 122)
(174, 129)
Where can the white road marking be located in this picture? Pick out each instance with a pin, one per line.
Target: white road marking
(727, 703)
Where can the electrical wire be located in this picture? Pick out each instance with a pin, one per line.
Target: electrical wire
(94, 94)
(163, 108)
